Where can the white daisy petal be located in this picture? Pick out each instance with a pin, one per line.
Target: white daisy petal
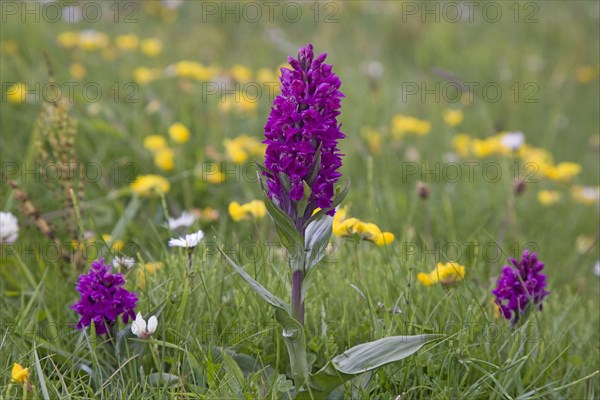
(186, 220)
(513, 140)
(189, 241)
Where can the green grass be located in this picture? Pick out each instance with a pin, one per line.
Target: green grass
(553, 355)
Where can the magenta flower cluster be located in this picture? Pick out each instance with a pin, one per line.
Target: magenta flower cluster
(103, 298)
(302, 133)
(519, 285)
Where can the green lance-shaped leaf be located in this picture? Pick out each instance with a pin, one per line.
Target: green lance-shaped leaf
(257, 287)
(316, 240)
(293, 332)
(362, 358)
(295, 342)
(289, 235)
(371, 355)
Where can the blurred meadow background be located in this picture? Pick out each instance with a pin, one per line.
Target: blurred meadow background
(173, 96)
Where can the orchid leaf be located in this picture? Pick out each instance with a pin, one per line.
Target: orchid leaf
(293, 331)
(316, 240)
(368, 356)
(295, 342)
(359, 359)
(257, 287)
(289, 235)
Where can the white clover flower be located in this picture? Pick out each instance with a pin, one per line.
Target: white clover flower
(597, 268)
(513, 140)
(374, 69)
(9, 227)
(589, 193)
(189, 241)
(172, 4)
(184, 221)
(126, 262)
(141, 329)
(450, 157)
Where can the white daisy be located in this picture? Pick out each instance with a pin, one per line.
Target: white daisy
(597, 268)
(9, 228)
(189, 241)
(141, 329)
(126, 262)
(184, 221)
(513, 140)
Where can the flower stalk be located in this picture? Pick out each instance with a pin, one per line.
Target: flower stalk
(297, 303)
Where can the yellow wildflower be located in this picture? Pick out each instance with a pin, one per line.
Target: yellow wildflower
(548, 197)
(192, 70)
(495, 308)
(535, 155)
(143, 75)
(453, 117)
(116, 245)
(242, 147)
(77, 71)
(17, 93)
(586, 74)
(68, 39)
(109, 53)
(255, 209)
(20, 374)
(179, 133)
(149, 185)
(216, 178)
(241, 73)
(155, 143)
(353, 227)
(151, 47)
(149, 268)
(338, 218)
(461, 144)
(247, 104)
(235, 151)
(377, 236)
(487, 147)
(402, 124)
(586, 194)
(210, 175)
(446, 274)
(225, 105)
(9, 47)
(127, 42)
(92, 40)
(164, 159)
(373, 139)
(265, 75)
(239, 102)
(562, 172)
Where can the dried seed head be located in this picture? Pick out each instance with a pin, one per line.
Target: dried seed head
(423, 190)
(519, 187)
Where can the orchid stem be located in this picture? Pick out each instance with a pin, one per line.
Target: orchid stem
(297, 303)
